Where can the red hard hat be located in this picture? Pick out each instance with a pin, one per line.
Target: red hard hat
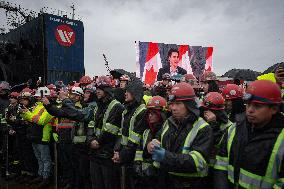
(214, 101)
(4, 85)
(90, 88)
(208, 76)
(14, 95)
(264, 92)
(53, 94)
(232, 91)
(51, 87)
(157, 102)
(124, 78)
(85, 80)
(26, 93)
(104, 81)
(76, 85)
(182, 91)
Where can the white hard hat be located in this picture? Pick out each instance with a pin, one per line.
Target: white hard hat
(42, 91)
(77, 90)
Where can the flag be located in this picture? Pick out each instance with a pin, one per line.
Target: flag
(184, 61)
(150, 57)
(209, 61)
(152, 65)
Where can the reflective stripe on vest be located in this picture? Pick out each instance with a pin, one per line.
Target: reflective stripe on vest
(36, 117)
(145, 137)
(66, 124)
(251, 180)
(200, 162)
(123, 138)
(80, 135)
(231, 135)
(279, 184)
(221, 163)
(79, 139)
(92, 122)
(231, 173)
(224, 126)
(133, 136)
(108, 127)
(164, 130)
(139, 153)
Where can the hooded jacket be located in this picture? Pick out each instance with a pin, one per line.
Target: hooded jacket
(107, 136)
(175, 161)
(127, 151)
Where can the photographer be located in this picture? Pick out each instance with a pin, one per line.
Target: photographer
(40, 132)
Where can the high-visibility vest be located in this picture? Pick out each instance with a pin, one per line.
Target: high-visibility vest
(139, 152)
(79, 136)
(251, 180)
(106, 127)
(125, 139)
(200, 162)
(132, 135)
(66, 124)
(37, 115)
(224, 126)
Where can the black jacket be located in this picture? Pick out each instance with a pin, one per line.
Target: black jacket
(166, 69)
(127, 153)
(251, 149)
(4, 103)
(68, 111)
(175, 161)
(106, 140)
(12, 112)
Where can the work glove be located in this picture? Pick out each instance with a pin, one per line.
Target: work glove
(158, 154)
(55, 137)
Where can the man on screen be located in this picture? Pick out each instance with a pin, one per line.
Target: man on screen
(172, 68)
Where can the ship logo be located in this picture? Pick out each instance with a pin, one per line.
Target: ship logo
(65, 35)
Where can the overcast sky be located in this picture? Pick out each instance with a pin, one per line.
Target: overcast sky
(244, 34)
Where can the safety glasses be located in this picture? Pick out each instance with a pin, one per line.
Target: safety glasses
(251, 97)
(172, 98)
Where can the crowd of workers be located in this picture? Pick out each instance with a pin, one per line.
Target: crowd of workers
(104, 134)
